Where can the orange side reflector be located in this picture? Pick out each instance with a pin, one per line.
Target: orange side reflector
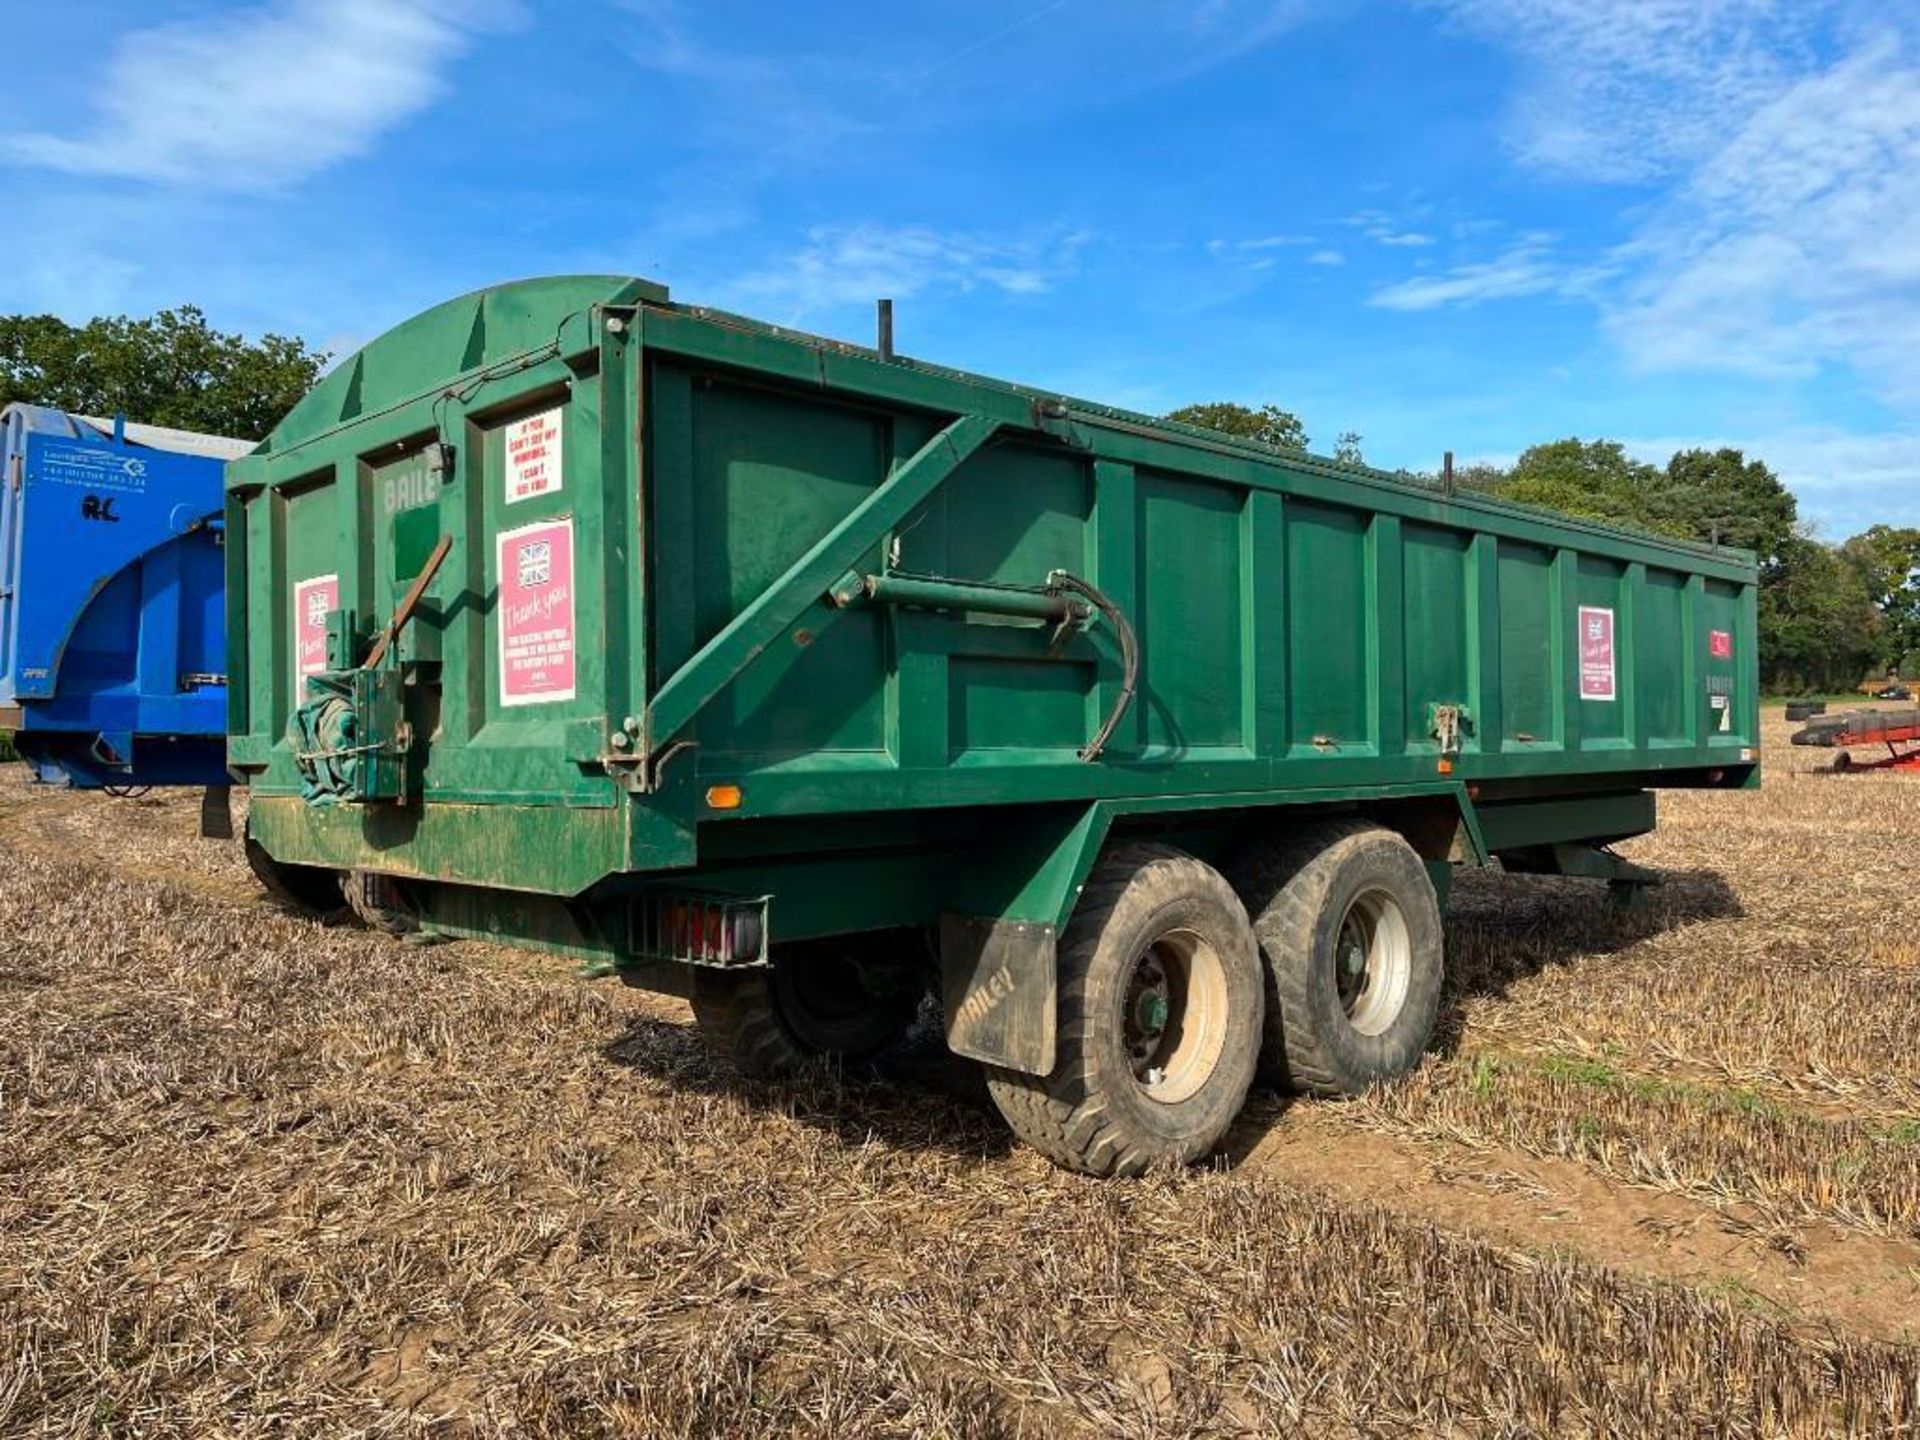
(1446, 766)
(724, 797)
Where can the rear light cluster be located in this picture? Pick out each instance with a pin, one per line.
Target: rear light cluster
(701, 930)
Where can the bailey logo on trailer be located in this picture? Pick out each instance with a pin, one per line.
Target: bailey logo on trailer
(313, 601)
(1596, 653)
(536, 613)
(533, 456)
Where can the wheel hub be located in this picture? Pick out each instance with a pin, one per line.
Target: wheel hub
(1173, 1016)
(1150, 1014)
(1353, 962)
(1373, 961)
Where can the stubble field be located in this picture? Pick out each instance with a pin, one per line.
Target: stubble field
(260, 1176)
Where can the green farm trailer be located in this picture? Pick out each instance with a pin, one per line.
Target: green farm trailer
(804, 679)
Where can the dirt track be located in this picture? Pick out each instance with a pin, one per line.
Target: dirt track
(259, 1176)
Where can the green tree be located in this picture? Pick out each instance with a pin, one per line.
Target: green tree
(1888, 559)
(1269, 425)
(1721, 495)
(1591, 479)
(170, 369)
(1346, 450)
(1490, 479)
(1819, 627)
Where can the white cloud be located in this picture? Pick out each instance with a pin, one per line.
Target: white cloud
(1780, 144)
(1529, 268)
(1795, 245)
(1379, 226)
(855, 264)
(263, 96)
(1263, 242)
(1630, 89)
(1326, 257)
(1224, 30)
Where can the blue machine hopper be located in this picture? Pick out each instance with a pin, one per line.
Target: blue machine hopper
(113, 599)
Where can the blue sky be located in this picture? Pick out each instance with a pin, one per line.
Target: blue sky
(1446, 224)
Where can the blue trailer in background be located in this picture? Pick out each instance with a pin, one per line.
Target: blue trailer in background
(113, 600)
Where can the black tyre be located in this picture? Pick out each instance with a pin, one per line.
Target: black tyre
(379, 902)
(846, 999)
(305, 889)
(1350, 934)
(1158, 1020)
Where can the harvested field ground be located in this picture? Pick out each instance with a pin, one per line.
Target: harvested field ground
(263, 1176)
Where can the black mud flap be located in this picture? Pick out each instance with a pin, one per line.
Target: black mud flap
(997, 985)
(216, 813)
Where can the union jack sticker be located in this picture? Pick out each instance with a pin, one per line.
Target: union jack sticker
(536, 562)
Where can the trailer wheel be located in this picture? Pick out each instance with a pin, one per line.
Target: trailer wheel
(845, 999)
(1158, 1020)
(1349, 928)
(306, 889)
(380, 902)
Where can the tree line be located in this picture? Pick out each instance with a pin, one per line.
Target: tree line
(1830, 614)
(170, 369)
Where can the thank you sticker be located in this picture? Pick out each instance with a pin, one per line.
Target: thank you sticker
(536, 613)
(1596, 653)
(313, 601)
(533, 456)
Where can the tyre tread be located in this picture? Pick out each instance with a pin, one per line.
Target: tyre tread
(1067, 1116)
(1285, 886)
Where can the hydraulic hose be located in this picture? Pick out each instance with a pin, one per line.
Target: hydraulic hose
(1129, 654)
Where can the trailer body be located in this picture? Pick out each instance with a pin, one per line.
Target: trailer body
(743, 637)
(113, 599)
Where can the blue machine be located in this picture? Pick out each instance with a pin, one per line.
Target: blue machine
(113, 600)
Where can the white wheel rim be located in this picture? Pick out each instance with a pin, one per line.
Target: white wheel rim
(1373, 961)
(1174, 1020)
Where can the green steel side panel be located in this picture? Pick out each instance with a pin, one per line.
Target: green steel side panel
(1729, 678)
(1298, 621)
(795, 608)
(1329, 619)
(1016, 513)
(1028, 703)
(1437, 632)
(1190, 633)
(771, 475)
(1661, 671)
(1010, 516)
(1530, 647)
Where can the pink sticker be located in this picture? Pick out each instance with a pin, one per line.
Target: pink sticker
(313, 601)
(536, 613)
(1596, 653)
(1720, 644)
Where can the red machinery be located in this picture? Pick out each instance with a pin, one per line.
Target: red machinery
(1898, 730)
